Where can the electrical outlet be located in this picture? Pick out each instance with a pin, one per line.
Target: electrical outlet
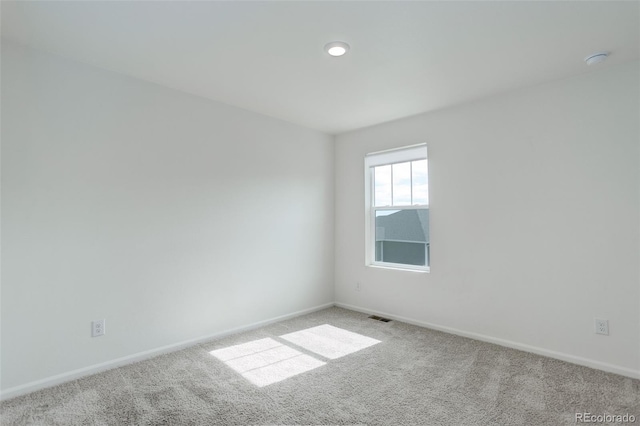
(602, 326)
(97, 328)
(358, 288)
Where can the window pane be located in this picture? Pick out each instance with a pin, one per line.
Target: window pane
(420, 173)
(402, 236)
(382, 186)
(402, 184)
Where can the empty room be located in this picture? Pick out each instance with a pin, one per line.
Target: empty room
(320, 213)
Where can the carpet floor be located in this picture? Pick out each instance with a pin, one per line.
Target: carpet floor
(334, 367)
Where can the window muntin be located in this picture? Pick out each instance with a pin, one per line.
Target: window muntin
(398, 209)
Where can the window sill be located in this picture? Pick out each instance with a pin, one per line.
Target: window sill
(397, 267)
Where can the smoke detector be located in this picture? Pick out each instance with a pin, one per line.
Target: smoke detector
(596, 58)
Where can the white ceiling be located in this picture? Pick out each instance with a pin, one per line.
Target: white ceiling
(405, 58)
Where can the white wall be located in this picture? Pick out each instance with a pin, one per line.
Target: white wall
(534, 220)
(172, 216)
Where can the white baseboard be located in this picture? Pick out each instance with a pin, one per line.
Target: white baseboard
(97, 368)
(623, 371)
(129, 359)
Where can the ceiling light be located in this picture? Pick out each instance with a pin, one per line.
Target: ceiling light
(336, 48)
(596, 58)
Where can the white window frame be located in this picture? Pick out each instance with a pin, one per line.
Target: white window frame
(383, 158)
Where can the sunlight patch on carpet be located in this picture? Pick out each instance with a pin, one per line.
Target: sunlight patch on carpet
(329, 341)
(266, 361)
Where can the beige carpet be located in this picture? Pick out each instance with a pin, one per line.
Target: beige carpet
(334, 367)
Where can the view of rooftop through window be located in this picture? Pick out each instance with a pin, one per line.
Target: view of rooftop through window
(400, 213)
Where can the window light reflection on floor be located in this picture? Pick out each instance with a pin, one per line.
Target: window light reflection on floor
(329, 341)
(266, 361)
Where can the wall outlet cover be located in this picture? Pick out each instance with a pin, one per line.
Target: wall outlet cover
(602, 326)
(97, 328)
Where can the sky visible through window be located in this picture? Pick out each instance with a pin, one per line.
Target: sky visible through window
(401, 184)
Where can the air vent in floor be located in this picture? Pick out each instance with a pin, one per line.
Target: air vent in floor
(377, 318)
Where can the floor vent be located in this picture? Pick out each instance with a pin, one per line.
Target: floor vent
(377, 318)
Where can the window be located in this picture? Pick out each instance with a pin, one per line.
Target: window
(397, 208)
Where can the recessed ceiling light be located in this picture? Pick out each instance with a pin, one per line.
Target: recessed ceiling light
(336, 48)
(596, 58)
